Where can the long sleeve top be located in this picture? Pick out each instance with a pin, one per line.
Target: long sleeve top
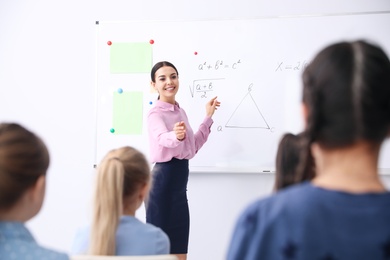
(162, 139)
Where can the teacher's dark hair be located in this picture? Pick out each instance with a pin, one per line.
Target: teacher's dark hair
(346, 90)
(23, 159)
(159, 65)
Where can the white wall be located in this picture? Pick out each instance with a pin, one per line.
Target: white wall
(47, 81)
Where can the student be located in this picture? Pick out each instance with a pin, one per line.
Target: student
(290, 148)
(24, 160)
(344, 212)
(172, 144)
(122, 183)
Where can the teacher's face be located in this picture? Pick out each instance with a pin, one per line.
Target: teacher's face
(167, 83)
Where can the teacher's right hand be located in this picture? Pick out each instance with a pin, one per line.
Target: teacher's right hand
(180, 130)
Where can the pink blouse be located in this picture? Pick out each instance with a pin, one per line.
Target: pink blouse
(163, 142)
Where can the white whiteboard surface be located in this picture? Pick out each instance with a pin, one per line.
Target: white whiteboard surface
(254, 66)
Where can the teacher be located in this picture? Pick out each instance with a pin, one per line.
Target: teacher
(172, 144)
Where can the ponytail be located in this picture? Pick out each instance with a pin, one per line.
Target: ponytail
(120, 176)
(108, 205)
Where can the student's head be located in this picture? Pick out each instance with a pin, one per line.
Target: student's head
(288, 160)
(165, 80)
(24, 160)
(122, 183)
(346, 93)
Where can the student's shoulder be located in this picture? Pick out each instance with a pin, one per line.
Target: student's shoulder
(137, 226)
(155, 231)
(157, 238)
(28, 250)
(17, 241)
(285, 200)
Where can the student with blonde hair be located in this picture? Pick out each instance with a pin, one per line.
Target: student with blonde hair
(24, 160)
(122, 184)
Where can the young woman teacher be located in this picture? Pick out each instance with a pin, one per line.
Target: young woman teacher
(172, 144)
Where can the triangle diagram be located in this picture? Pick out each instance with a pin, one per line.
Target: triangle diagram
(247, 115)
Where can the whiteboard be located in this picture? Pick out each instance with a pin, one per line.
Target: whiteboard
(254, 66)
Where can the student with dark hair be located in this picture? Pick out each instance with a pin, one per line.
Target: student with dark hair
(122, 183)
(344, 212)
(172, 144)
(290, 149)
(24, 160)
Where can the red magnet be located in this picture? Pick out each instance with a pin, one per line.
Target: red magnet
(196, 53)
(109, 42)
(151, 41)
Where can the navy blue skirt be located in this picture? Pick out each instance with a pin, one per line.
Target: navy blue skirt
(167, 205)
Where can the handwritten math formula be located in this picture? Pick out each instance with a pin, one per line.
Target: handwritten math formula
(201, 87)
(219, 65)
(296, 66)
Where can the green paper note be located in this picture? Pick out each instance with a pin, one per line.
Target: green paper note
(130, 57)
(128, 113)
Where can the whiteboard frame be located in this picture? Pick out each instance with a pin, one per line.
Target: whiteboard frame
(382, 171)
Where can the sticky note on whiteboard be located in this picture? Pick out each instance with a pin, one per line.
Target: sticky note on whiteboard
(130, 57)
(128, 113)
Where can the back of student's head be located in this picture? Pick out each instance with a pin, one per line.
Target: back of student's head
(347, 94)
(23, 159)
(120, 175)
(346, 91)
